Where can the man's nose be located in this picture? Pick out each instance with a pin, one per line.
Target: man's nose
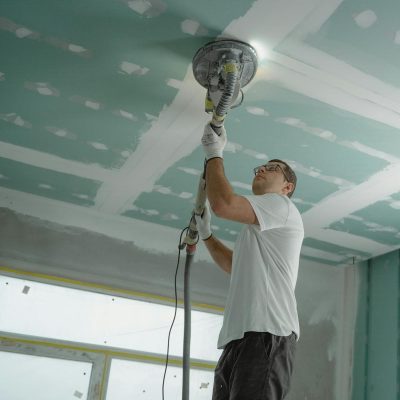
(262, 169)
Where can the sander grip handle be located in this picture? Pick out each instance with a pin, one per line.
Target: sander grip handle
(201, 196)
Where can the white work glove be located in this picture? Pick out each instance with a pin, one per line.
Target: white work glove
(213, 144)
(203, 223)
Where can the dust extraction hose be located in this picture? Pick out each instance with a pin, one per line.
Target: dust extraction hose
(225, 102)
(192, 235)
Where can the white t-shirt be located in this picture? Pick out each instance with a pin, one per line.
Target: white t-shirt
(264, 272)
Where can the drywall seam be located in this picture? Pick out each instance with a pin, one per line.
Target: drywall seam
(325, 255)
(316, 19)
(335, 207)
(152, 237)
(327, 88)
(270, 19)
(343, 74)
(174, 135)
(48, 161)
(344, 239)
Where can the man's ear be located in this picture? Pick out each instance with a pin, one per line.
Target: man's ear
(288, 188)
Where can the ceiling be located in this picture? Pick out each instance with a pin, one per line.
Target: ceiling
(101, 118)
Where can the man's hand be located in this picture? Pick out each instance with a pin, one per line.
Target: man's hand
(213, 144)
(203, 223)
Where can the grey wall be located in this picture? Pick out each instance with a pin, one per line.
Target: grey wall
(326, 295)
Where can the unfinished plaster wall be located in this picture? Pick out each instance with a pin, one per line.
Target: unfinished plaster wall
(325, 294)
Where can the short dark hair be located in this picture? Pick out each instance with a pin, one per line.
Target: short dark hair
(289, 173)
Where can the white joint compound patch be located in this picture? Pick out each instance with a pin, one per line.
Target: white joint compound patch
(43, 88)
(74, 48)
(61, 132)
(256, 154)
(92, 104)
(190, 171)
(148, 212)
(295, 122)
(317, 174)
(193, 28)
(170, 217)
(395, 205)
(241, 185)
(365, 19)
(140, 6)
(23, 32)
(189, 26)
(88, 103)
(2, 76)
(167, 191)
(15, 119)
(125, 114)
(257, 111)
(397, 37)
(174, 83)
(232, 147)
(185, 195)
(44, 186)
(98, 146)
(81, 196)
(370, 151)
(147, 8)
(372, 226)
(150, 117)
(130, 68)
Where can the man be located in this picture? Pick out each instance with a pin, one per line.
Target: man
(260, 327)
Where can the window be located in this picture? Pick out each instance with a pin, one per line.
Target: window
(44, 310)
(25, 376)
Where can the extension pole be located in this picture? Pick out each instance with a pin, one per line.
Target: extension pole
(190, 250)
(190, 241)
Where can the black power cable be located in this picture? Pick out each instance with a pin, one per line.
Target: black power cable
(180, 247)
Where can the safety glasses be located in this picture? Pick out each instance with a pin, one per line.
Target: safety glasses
(271, 167)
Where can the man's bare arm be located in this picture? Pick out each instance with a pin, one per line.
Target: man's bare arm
(221, 254)
(223, 200)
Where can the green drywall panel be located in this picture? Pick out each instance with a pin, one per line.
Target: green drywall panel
(46, 183)
(343, 38)
(360, 351)
(383, 328)
(383, 234)
(313, 132)
(318, 260)
(332, 248)
(389, 217)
